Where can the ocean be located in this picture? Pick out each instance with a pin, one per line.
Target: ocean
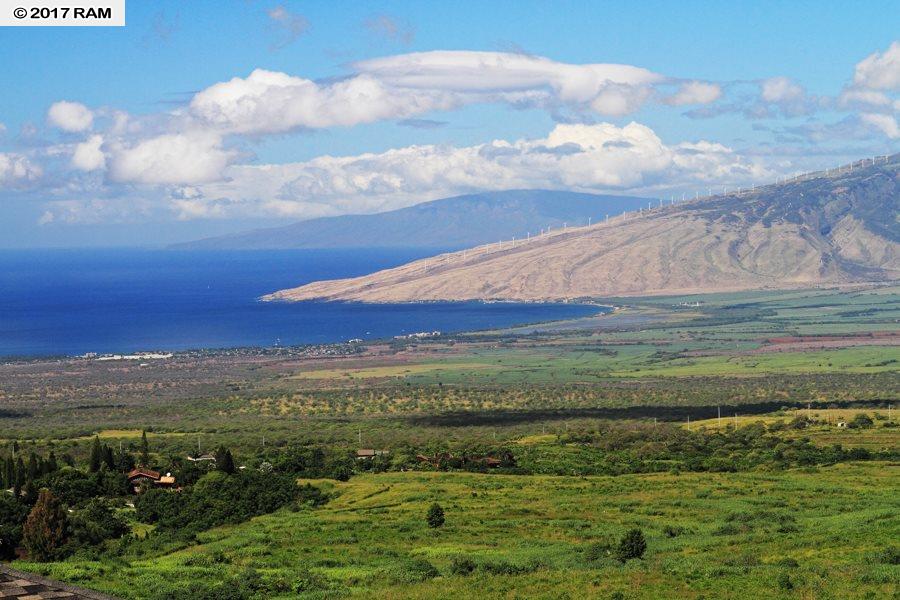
(70, 302)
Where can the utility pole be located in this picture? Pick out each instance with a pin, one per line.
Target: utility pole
(719, 410)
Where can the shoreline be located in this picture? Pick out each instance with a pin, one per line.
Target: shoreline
(157, 355)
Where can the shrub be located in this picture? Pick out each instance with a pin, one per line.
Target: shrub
(861, 421)
(632, 545)
(198, 560)
(788, 563)
(414, 570)
(307, 581)
(597, 550)
(889, 556)
(435, 516)
(462, 565)
(673, 530)
(784, 582)
(502, 567)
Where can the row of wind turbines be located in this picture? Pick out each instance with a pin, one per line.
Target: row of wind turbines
(739, 191)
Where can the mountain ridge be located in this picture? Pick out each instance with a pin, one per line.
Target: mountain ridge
(833, 228)
(455, 222)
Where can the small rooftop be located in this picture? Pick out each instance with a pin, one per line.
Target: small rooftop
(143, 472)
(26, 586)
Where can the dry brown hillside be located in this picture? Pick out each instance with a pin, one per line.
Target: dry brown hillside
(818, 229)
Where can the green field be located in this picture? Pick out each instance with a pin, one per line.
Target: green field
(817, 533)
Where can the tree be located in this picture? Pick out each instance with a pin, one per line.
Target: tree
(94, 523)
(145, 450)
(29, 492)
(12, 513)
(45, 528)
(34, 468)
(20, 477)
(51, 465)
(632, 545)
(96, 456)
(435, 516)
(9, 473)
(224, 460)
(861, 421)
(108, 458)
(124, 461)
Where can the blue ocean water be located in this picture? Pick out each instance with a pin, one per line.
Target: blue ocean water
(68, 302)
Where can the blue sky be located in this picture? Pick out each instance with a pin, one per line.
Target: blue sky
(148, 149)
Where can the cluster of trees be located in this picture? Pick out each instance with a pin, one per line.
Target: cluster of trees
(51, 529)
(103, 455)
(19, 475)
(219, 498)
(53, 509)
(637, 448)
(314, 462)
(51, 532)
(616, 447)
(665, 398)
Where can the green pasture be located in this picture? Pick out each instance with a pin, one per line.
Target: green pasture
(822, 533)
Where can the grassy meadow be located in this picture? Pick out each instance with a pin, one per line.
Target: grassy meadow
(814, 533)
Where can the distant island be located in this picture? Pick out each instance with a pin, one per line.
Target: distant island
(458, 222)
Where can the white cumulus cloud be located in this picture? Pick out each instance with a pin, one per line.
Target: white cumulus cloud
(880, 70)
(407, 85)
(16, 169)
(88, 155)
(600, 157)
(271, 102)
(178, 158)
(781, 89)
(887, 124)
(70, 116)
(695, 92)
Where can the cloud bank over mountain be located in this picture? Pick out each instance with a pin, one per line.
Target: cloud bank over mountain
(198, 159)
